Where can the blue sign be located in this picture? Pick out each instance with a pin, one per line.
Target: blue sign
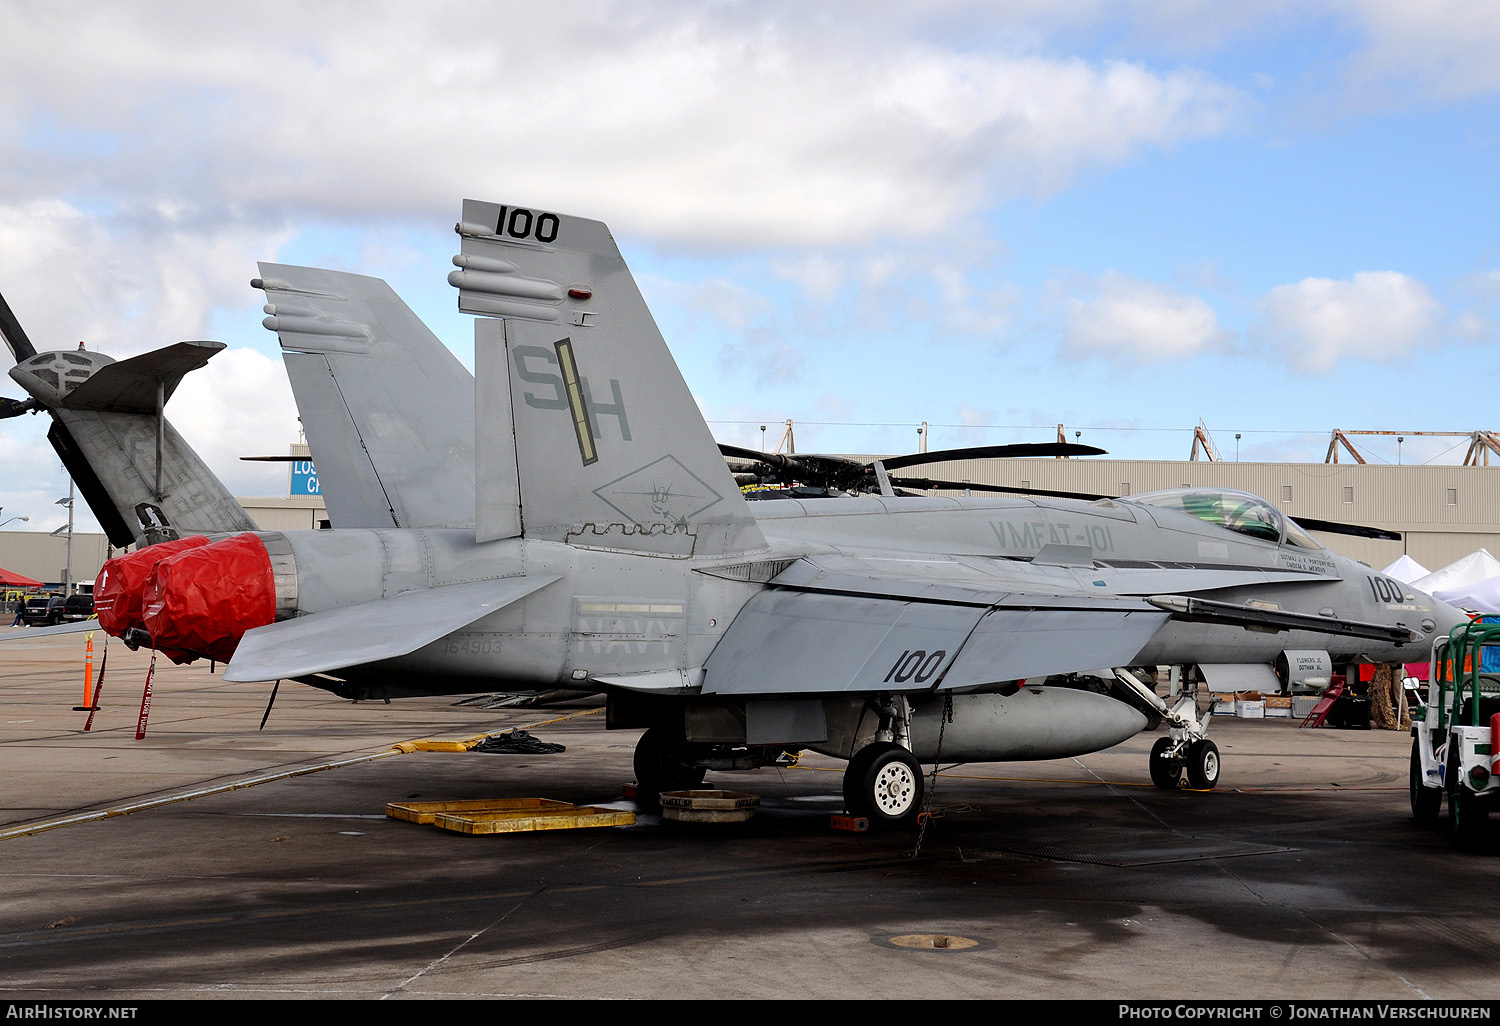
(305, 478)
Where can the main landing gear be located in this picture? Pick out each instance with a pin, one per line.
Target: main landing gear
(883, 783)
(662, 763)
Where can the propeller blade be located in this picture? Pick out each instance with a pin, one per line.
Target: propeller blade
(992, 452)
(16, 407)
(276, 459)
(749, 454)
(927, 482)
(1352, 530)
(15, 336)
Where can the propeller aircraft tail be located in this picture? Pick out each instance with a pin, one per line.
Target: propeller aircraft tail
(138, 475)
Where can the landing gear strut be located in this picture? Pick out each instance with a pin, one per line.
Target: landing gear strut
(1187, 748)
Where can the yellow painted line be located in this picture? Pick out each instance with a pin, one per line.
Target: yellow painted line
(479, 739)
(265, 778)
(1125, 783)
(184, 796)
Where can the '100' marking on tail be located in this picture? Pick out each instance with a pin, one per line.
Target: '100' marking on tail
(520, 223)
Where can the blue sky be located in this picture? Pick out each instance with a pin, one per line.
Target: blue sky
(1278, 218)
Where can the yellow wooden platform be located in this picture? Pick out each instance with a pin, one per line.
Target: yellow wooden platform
(507, 815)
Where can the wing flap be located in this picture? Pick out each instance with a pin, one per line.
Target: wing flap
(371, 631)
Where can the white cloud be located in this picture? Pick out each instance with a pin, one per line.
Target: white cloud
(1124, 317)
(239, 405)
(1440, 49)
(1375, 315)
(122, 286)
(693, 123)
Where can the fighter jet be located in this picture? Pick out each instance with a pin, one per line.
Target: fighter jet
(611, 549)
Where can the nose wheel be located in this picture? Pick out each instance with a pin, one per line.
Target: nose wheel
(1170, 757)
(1202, 765)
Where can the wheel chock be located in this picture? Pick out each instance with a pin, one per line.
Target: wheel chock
(708, 806)
(853, 824)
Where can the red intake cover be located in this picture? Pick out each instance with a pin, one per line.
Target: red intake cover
(120, 589)
(203, 600)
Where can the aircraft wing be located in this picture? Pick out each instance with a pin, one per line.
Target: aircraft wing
(371, 631)
(842, 622)
(848, 624)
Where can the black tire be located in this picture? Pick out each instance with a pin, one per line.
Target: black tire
(1467, 813)
(660, 765)
(1165, 772)
(1426, 802)
(883, 783)
(1203, 765)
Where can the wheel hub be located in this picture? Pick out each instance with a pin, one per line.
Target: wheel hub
(894, 789)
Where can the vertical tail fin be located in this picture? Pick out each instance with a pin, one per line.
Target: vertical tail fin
(607, 446)
(388, 410)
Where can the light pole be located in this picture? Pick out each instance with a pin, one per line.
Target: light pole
(1236, 447)
(9, 519)
(68, 570)
(1399, 440)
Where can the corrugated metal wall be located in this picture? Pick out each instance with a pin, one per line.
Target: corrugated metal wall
(1445, 512)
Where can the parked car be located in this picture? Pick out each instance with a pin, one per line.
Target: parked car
(43, 610)
(78, 607)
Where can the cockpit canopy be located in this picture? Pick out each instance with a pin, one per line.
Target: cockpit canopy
(1235, 511)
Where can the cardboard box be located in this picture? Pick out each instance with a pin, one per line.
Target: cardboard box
(1223, 703)
(1279, 707)
(1249, 705)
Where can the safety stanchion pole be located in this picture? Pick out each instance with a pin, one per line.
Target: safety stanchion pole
(88, 673)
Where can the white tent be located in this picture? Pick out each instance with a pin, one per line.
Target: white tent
(1472, 582)
(1406, 570)
(1483, 597)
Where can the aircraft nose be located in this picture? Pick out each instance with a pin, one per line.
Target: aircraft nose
(1443, 615)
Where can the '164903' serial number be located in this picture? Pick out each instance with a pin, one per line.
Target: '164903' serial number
(473, 646)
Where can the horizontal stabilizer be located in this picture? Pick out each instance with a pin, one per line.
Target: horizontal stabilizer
(372, 631)
(130, 386)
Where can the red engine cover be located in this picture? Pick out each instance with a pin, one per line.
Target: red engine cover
(120, 589)
(204, 599)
